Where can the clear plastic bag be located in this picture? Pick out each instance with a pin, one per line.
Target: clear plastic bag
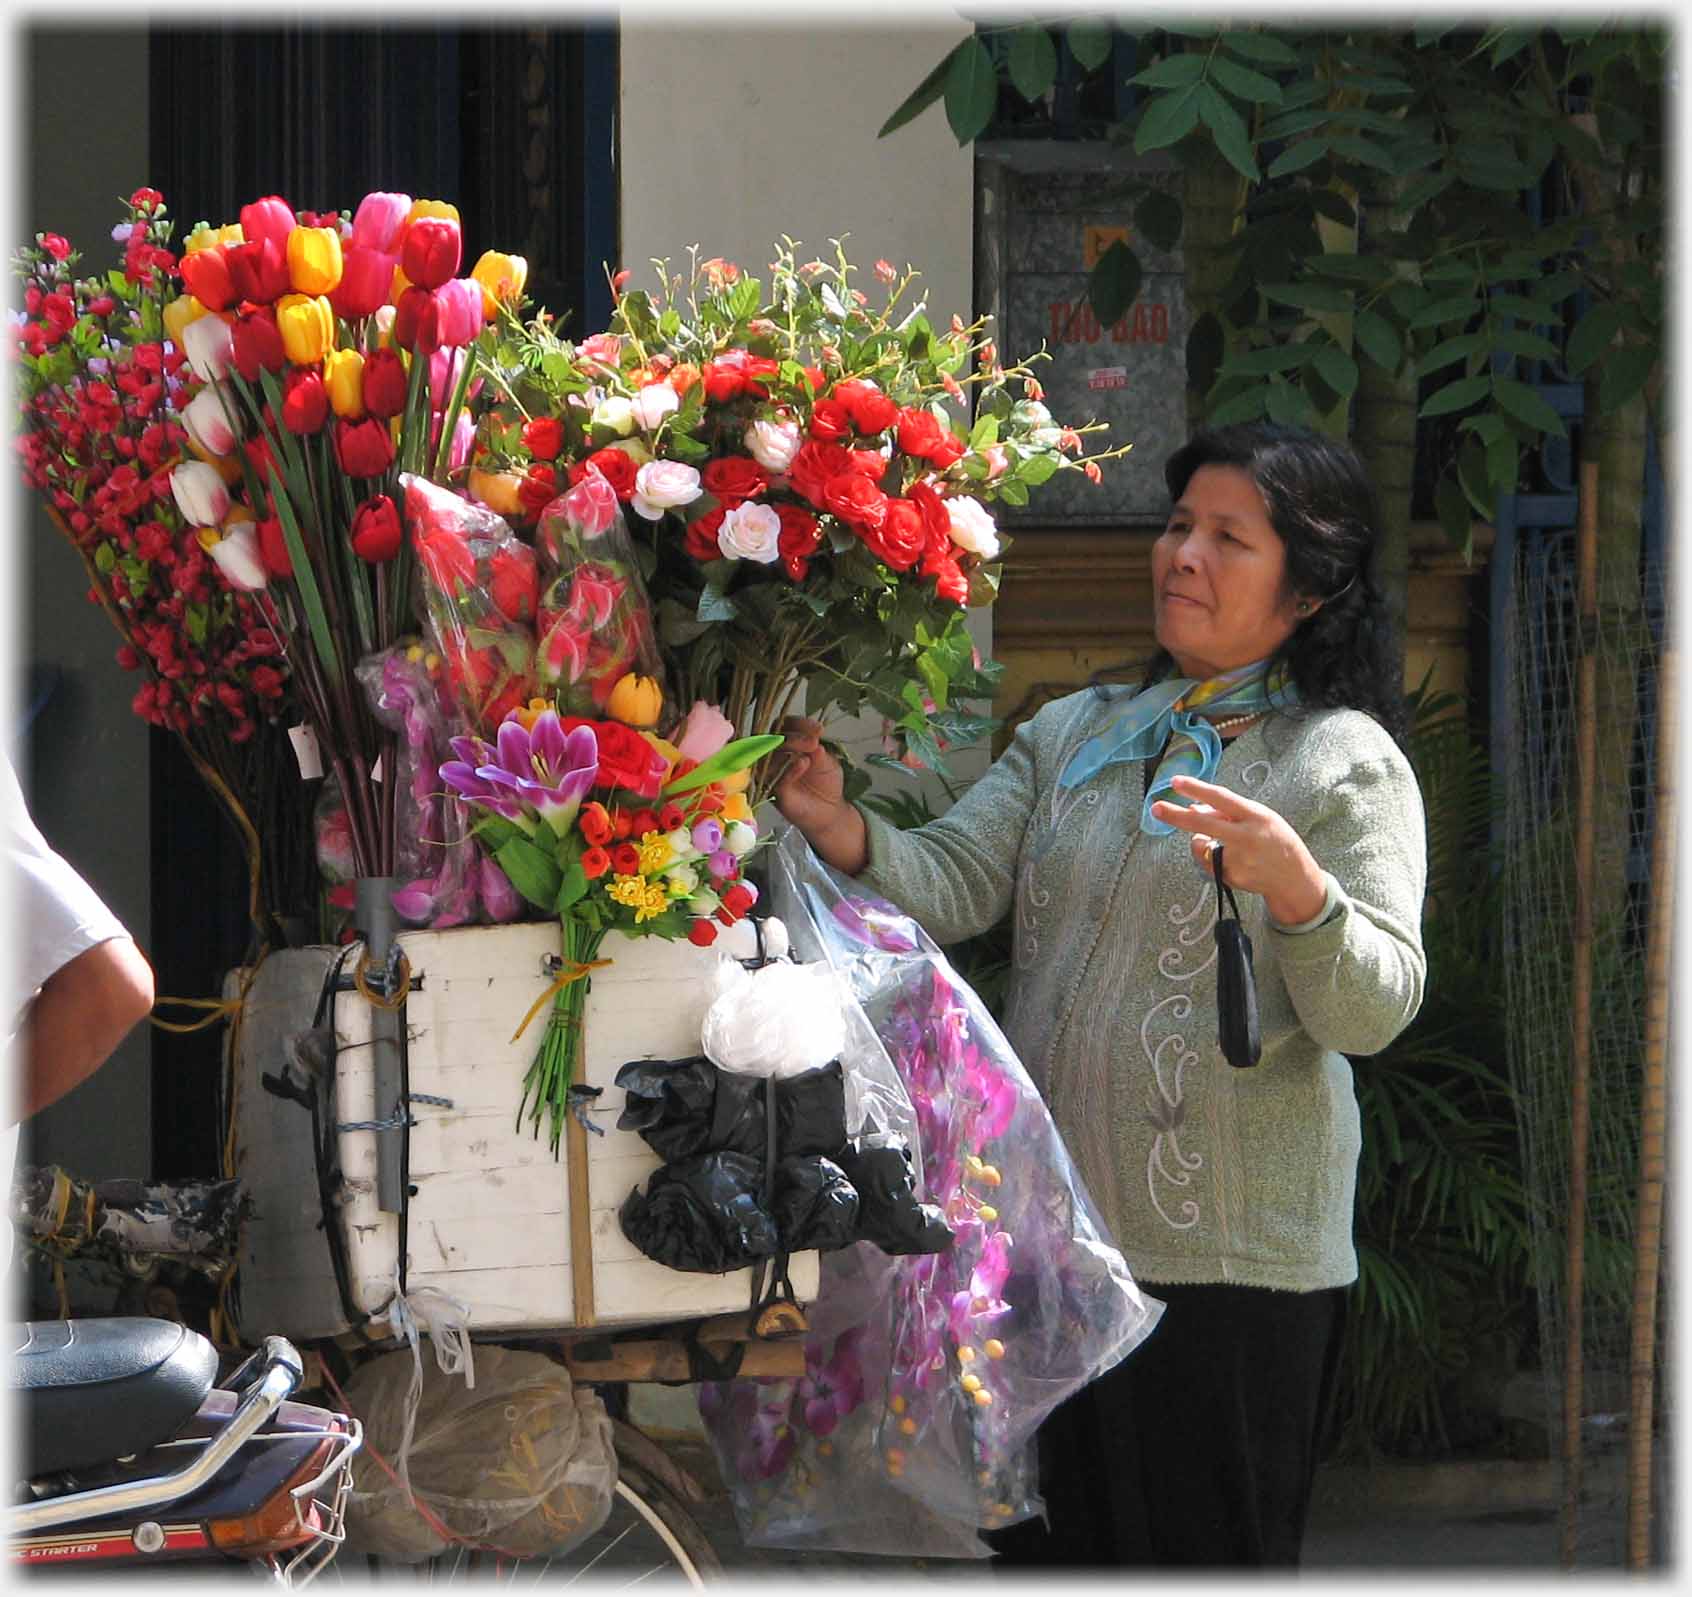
(595, 624)
(480, 586)
(521, 1463)
(927, 1375)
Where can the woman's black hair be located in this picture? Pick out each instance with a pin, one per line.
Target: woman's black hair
(1322, 506)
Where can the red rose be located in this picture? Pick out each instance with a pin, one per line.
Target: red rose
(814, 376)
(273, 548)
(922, 434)
(733, 479)
(538, 488)
(868, 462)
(364, 448)
(376, 530)
(56, 245)
(447, 560)
(801, 536)
(936, 524)
(671, 817)
(701, 541)
(899, 540)
(617, 467)
(814, 466)
(949, 580)
(873, 412)
(514, 584)
(595, 822)
(626, 759)
(305, 405)
(725, 377)
(595, 862)
(543, 437)
(258, 343)
(738, 899)
(830, 421)
(625, 859)
(642, 822)
(384, 384)
(856, 500)
(701, 933)
(949, 449)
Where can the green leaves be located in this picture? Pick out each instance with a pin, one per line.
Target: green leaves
(1228, 126)
(1167, 118)
(1089, 43)
(972, 90)
(1033, 62)
(1115, 283)
(727, 761)
(1158, 217)
(921, 97)
(532, 871)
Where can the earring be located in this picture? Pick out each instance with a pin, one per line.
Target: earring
(1305, 607)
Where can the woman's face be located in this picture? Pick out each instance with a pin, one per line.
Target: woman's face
(1219, 591)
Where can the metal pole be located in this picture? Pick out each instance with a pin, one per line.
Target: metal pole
(1580, 1051)
(376, 919)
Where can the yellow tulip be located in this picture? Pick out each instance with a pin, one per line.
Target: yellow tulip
(343, 377)
(737, 783)
(178, 314)
(399, 284)
(420, 208)
(228, 467)
(735, 808)
(635, 701)
(502, 278)
(314, 259)
(307, 325)
(202, 238)
(497, 490)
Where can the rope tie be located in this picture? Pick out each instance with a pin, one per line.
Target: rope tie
(401, 1116)
(397, 980)
(569, 971)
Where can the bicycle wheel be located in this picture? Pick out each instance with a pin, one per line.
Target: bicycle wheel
(648, 1536)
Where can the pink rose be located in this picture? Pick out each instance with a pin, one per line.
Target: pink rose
(705, 730)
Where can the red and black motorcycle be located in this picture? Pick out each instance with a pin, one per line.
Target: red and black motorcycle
(136, 1455)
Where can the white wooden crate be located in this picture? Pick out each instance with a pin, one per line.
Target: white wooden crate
(488, 1223)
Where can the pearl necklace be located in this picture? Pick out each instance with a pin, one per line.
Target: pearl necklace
(1219, 727)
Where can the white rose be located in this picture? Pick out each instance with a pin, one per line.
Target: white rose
(738, 837)
(662, 485)
(652, 404)
(972, 528)
(616, 413)
(773, 444)
(751, 532)
(682, 880)
(681, 843)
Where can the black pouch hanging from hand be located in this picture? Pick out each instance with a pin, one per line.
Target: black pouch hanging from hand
(1236, 989)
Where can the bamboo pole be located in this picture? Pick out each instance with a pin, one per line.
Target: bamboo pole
(1580, 1051)
(1648, 1231)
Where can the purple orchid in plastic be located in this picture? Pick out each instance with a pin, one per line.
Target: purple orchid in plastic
(981, 1303)
(830, 1389)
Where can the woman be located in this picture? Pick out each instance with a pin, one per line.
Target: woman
(1267, 722)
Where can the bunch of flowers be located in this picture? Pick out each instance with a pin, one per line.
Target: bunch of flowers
(102, 391)
(331, 353)
(611, 828)
(809, 492)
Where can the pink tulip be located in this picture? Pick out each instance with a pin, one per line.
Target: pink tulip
(459, 313)
(378, 220)
(271, 218)
(705, 730)
(446, 366)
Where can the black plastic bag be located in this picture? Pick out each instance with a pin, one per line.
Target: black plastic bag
(878, 1164)
(687, 1106)
(815, 1205)
(703, 1213)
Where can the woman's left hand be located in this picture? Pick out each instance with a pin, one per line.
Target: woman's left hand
(1262, 853)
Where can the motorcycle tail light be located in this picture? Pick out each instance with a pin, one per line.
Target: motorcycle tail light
(281, 1523)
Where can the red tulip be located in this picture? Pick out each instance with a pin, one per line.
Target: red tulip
(273, 548)
(376, 529)
(431, 251)
(259, 270)
(384, 383)
(364, 448)
(305, 401)
(268, 220)
(366, 277)
(205, 274)
(410, 310)
(258, 343)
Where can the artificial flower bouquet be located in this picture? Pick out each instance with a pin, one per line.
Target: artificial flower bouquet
(807, 490)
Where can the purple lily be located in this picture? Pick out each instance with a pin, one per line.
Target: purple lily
(463, 776)
(545, 768)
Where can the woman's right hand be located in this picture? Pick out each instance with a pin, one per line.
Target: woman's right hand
(811, 793)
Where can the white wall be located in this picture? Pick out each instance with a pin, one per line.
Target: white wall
(735, 133)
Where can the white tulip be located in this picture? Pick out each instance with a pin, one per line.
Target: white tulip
(200, 493)
(209, 344)
(207, 418)
(238, 558)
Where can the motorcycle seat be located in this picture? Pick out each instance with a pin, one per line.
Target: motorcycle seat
(96, 1390)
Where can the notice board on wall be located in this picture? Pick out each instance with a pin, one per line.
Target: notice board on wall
(1045, 212)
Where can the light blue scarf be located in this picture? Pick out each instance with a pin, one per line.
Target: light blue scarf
(1164, 713)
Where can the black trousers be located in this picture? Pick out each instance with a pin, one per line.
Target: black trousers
(1200, 1447)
